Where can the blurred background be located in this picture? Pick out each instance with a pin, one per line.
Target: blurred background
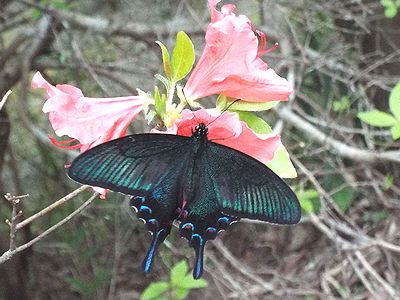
(343, 57)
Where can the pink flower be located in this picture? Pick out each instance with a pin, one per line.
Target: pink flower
(230, 63)
(226, 129)
(88, 121)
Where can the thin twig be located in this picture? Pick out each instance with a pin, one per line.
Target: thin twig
(3, 101)
(363, 278)
(240, 267)
(14, 200)
(340, 148)
(51, 207)
(375, 275)
(10, 253)
(138, 31)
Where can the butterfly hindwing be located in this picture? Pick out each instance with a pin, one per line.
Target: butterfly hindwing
(203, 218)
(149, 167)
(249, 189)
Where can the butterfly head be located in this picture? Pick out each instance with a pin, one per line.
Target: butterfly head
(200, 131)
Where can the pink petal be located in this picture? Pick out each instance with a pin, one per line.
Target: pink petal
(226, 129)
(64, 144)
(101, 191)
(88, 121)
(230, 63)
(91, 121)
(225, 10)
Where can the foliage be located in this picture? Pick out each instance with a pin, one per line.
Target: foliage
(182, 59)
(341, 194)
(177, 288)
(88, 289)
(309, 200)
(341, 105)
(382, 119)
(36, 13)
(224, 102)
(391, 7)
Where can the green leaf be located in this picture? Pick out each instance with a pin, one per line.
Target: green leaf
(377, 118)
(59, 4)
(388, 182)
(36, 14)
(189, 283)
(395, 130)
(77, 284)
(160, 102)
(307, 205)
(178, 272)
(394, 101)
(281, 164)
(391, 7)
(341, 105)
(166, 61)
(309, 200)
(182, 57)
(163, 80)
(375, 216)
(224, 102)
(150, 116)
(154, 290)
(254, 122)
(181, 293)
(390, 12)
(343, 196)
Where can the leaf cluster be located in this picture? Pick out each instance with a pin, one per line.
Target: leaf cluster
(177, 288)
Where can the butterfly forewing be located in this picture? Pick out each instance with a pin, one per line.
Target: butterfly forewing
(136, 162)
(247, 188)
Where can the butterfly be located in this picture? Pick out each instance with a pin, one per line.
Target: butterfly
(203, 185)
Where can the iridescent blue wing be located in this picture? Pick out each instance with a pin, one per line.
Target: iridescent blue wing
(246, 188)
(136, 163)
(150, 167)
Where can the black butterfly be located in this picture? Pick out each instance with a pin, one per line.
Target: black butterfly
(204, 185)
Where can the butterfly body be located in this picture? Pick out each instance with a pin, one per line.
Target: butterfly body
(201, 184)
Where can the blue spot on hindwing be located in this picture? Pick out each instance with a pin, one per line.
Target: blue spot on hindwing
(223, 219)
(188, 226)
(145, 208)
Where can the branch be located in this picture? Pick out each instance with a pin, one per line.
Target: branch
(14, 200)
(138, 31)
(340, 148)
(10, 253)
(360, 240)
(240, 267)
(3, 101)
(51, 207)
(389, 289)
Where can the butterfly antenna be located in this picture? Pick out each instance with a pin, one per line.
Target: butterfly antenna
(191, 108)
(225, 109)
